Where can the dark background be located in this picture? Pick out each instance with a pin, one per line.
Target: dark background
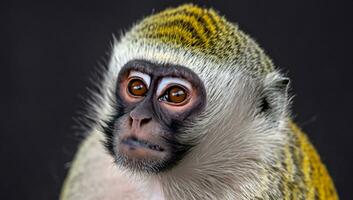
(49, 51)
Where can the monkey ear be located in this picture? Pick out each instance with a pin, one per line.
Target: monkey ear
(275, 99)
(282, 84)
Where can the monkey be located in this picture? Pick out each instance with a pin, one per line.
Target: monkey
(190, 107)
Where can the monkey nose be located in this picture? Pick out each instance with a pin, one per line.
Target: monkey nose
(138, 123)
(139, 114)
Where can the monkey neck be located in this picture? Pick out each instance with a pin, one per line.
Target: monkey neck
(223, 166)
(214, 180)
(155, 189)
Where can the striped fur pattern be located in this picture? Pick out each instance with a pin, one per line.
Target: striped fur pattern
(202, 31)
(241, 154)
(299, 173)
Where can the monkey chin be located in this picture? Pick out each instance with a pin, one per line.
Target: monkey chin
(142, 155)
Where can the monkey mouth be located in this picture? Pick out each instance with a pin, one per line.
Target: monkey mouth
(135, 143)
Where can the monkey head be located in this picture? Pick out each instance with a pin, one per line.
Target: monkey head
(185, 80)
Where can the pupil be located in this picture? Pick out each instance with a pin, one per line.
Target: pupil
(178, 93)
(138, 87)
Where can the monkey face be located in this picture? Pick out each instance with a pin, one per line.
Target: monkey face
(154, 104)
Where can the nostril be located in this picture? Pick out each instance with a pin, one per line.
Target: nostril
(130, 121)
(145, 121)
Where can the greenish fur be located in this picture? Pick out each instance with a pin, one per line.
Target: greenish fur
(202, 31)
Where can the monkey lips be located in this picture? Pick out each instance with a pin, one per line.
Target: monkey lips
(134, 147)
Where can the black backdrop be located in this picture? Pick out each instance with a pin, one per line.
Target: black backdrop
(50, 49)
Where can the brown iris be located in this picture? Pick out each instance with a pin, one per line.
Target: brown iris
(137, 87)
(174, 95)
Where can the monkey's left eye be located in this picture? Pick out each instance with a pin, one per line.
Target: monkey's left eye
(137, 87)
(176, 95)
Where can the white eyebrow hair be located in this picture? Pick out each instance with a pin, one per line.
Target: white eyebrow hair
(145, 77)
(168, 80)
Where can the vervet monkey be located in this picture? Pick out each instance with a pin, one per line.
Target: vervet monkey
(191, 107)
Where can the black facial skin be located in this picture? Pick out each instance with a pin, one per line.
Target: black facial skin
(166, 124)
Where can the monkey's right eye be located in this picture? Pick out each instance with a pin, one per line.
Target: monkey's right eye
(137, 87)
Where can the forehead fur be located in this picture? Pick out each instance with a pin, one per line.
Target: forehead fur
(203, 32)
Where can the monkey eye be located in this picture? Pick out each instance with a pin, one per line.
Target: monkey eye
(137, 87)
(175, 95)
